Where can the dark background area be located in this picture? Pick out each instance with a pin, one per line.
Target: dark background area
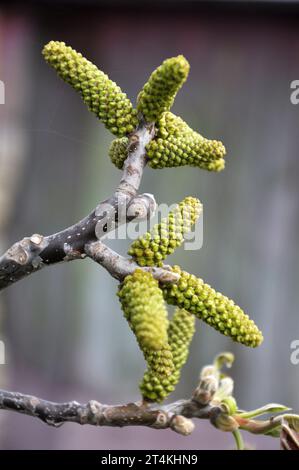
(64, 333)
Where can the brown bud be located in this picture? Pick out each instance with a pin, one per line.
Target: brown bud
(182, 425)
(206, 390)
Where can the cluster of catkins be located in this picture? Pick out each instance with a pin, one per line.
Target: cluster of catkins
(176, 144)
(163, 342)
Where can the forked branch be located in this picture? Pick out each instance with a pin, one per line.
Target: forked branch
(33, 253)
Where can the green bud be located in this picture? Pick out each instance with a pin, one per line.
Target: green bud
(229, 404)
(118, 151)
(224, 359)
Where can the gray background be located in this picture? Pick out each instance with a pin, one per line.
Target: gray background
(64, 332)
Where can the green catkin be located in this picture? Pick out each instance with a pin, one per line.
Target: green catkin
(144, 308)
(212, 307)
(175, 152)
(160, 362)
(171, 125)
(176, 144)
(102, 96)
(160, 90)
(153, 247)
(180, 333)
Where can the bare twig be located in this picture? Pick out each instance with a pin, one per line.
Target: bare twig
(33, 253)
(211, 400)
(175, 416)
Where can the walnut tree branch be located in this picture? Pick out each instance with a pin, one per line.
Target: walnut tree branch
(175, 416)
(33, 253)
(211, 400)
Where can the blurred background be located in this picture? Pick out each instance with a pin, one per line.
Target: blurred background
(63, 329)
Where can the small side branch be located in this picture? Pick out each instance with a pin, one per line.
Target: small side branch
(119, 267)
